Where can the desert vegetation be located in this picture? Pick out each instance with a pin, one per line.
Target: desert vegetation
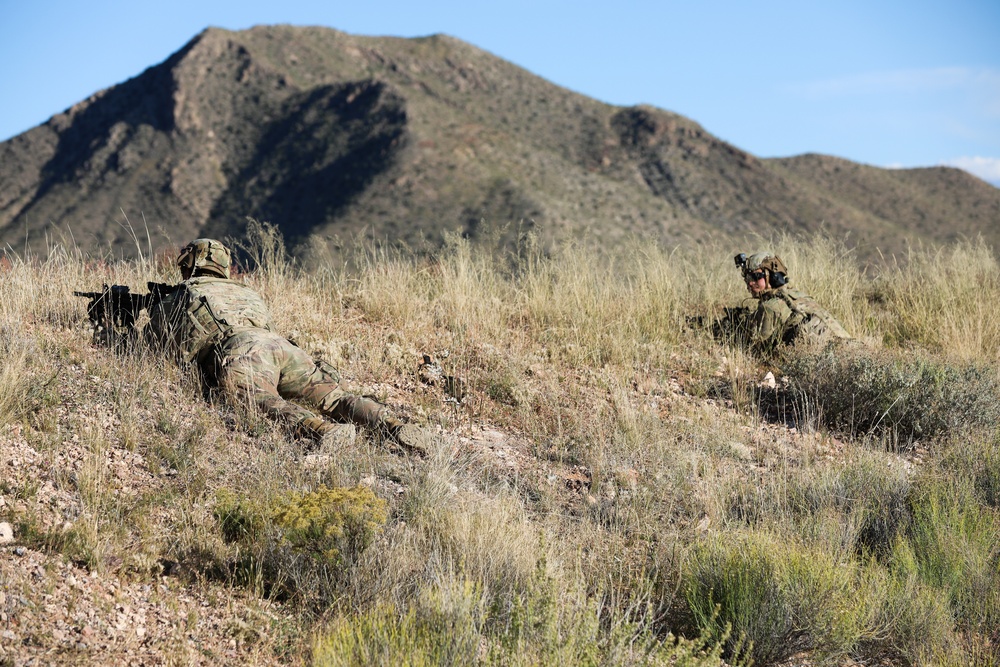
(614, 487)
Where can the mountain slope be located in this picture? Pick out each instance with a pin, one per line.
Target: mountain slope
(332, 135)
(935, 203)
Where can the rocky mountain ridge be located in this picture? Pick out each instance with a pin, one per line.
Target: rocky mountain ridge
(331, 136)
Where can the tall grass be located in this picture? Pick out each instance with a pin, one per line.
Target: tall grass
(16, 381)
(611, 482)
(941, 299)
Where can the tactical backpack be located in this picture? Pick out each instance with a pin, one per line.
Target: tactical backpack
(809, 319)
(206, 310)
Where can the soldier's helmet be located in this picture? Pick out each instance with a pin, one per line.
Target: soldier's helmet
(205, 256)
(765, 260)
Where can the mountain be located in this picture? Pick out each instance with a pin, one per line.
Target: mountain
(330, 135)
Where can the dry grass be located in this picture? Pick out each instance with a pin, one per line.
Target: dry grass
(635, 489)
(941, 299)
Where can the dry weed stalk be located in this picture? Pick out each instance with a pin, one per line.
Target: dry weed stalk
(584, 365)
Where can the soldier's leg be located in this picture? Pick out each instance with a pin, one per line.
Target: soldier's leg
(319, 384)
(250, 370)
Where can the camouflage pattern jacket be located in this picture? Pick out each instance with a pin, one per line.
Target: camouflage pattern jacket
(202, 312)
(786, 315)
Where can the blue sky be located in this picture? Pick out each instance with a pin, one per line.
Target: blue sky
(888, 83)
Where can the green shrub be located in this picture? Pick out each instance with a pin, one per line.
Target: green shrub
(879, 500)
(987, 475)
(299, 542)
(977, 459)
(906, 394)
(953, 546)
(931, 594)
(328, 524)
(922, 627)
(322, 524)
(779, 597)
(737, 585)
(442, 627)
(457, 623)
(868, 498)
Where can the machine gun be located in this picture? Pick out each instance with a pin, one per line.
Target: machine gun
(114, 309)
(733, 322)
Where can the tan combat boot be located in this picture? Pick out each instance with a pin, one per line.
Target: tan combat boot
(409, 437)
(327, 436)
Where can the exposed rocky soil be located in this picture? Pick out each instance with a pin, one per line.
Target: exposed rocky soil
(131, 606)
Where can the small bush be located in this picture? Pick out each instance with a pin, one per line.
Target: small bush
(241, 519)
(330, 524)
(779, 597)
(976, 459)
(301, 541)
(908, 395)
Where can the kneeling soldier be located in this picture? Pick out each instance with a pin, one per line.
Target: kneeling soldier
(784, 315)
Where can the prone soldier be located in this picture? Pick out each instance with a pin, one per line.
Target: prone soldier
(225, 328)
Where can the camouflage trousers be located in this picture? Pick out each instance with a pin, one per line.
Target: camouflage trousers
(266, 369)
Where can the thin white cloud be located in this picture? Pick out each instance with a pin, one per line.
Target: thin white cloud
(986, 168)
(931, 80)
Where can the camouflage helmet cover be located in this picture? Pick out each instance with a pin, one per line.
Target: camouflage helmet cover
(764, 260)
(203, 256)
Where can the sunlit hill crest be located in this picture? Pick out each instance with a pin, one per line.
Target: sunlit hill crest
(330, 135)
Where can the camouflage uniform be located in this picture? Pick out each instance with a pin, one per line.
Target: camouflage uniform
(226, 328)
(785, 315)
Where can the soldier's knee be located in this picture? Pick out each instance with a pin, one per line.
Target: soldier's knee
(329, 374)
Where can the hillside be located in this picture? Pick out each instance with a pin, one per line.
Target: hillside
(613, 487)
(331, 136)
(930, 204)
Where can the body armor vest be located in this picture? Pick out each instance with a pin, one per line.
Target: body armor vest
(205, 310)
(808, 318)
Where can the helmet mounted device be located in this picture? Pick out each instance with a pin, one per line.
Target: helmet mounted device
(771, 264)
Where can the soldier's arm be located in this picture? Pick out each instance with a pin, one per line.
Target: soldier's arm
(161, 331)
(767, 325)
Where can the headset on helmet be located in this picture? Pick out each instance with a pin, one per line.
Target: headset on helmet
(777, 274)
(205, 256)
